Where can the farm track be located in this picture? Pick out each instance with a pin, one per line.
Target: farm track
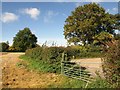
(16, 77)
(93, 65)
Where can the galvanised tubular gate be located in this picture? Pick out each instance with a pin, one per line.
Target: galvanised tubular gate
(71, 69)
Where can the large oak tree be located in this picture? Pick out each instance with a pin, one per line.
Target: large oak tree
(87, 21)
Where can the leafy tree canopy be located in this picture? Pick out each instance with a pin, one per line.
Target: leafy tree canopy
(24, 39)
(3, 47)
(87, 21)
(102, 38)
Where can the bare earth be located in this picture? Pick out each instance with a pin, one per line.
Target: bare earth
(15, 77)
(93, 65)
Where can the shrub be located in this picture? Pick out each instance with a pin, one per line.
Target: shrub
(100, 83)
(89, 51)
(72, 52)
(11, 49)
(111, 63)
(34, 53)
(83, 51)
(48, 57)
(4, 47)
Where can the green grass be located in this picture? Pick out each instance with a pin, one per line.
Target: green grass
(69, 83)
(35, 64)
(74, 83)
(66, 82)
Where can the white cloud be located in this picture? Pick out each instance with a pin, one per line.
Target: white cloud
(107, 10)
(48, 18)
(8, 17)
(65, 15)
(32, 12)
(115, 9)
(78, 4)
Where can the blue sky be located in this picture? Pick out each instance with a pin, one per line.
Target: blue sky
(45, 19)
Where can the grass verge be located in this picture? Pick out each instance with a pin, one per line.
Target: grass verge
(64, 82)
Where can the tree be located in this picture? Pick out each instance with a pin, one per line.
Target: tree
(86, 22)
(24, 40)
(102, 38)
(7, 42)
(117, 24)
(3, 47)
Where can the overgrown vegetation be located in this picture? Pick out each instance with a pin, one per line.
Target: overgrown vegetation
(45, 59)
(111, 63)
(74, 83)
(88, 28)
(48, 59)
(64, 82)
(4, 47)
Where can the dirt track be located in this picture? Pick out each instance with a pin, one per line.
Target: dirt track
(15, 77)
(93, 65)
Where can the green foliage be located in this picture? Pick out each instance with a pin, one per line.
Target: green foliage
(24, 40)
(4, 47)
(65, 82)
(72, 52)
(74, 83)
(12, 49)
(117, 36)
(46, 59)
(111, 63)
(87, 21)
(37, 65)
(117, 24)
(100, 83)
(102, 38)
(89, 51)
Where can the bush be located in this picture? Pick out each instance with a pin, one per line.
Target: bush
(100, 83)
(4, 47)
(72, 52)
(48, 57)
(83, 51)
(11, 49)
(111, 63)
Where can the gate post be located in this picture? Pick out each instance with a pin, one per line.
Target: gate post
(62, 61)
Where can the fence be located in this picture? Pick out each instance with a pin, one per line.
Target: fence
(73, 70)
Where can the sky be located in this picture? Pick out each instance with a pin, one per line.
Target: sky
(45, 19)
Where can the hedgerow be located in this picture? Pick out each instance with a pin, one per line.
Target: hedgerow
(111, 63)
(50, 57)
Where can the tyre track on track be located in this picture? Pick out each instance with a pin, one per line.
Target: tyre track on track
(15, 77)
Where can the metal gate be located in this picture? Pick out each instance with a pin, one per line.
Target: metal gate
(73, 70)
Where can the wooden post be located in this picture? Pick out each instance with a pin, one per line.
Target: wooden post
(62, 69)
